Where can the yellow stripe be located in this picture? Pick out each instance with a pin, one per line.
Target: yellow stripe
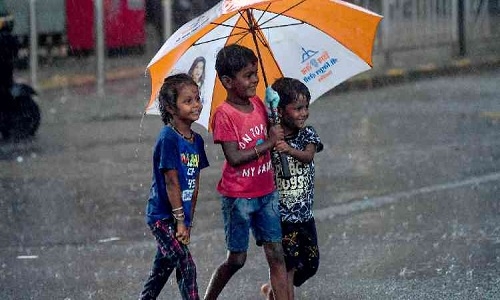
(491, 115)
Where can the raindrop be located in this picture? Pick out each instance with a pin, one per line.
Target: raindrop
(141, 132)
(19, 159)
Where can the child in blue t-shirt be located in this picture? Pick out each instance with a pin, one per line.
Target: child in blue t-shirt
(178, 157)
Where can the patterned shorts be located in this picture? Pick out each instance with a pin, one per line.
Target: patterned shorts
(300, 244)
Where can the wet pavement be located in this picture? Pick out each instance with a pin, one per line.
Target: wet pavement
(406, 202)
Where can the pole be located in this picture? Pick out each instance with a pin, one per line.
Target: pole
(33, 45)
(100, 47)
(385, 32)
(461, 29)
(167, 19)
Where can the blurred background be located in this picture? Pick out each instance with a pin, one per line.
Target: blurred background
(66, 28)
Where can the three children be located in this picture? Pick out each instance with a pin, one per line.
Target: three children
(249, 198)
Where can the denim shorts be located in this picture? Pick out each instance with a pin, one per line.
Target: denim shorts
(260, 214)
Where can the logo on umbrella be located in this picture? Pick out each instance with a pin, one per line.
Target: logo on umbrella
(314, 65)
(307, 54)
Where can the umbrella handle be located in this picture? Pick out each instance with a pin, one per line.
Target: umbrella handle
(285, 168)
(272, 99)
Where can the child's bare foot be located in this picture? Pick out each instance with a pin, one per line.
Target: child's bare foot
(267, 291)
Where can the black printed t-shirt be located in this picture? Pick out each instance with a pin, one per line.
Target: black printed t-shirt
(297, 193)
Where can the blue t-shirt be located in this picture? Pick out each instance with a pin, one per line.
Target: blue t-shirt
(172, 151)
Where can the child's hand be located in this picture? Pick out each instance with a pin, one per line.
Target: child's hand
(182, 233)
(283, 147)
(276, 133)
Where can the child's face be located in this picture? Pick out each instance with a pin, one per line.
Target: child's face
(244, 84)
(188, 103)
(295, 114)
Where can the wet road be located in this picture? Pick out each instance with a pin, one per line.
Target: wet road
(407, 197)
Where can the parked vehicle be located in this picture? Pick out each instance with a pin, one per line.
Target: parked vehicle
(19, 113)
(20, 117)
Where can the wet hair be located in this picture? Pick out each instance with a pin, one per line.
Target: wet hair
(289, 89)
(169, 92)
(193, 66)
(233, 58)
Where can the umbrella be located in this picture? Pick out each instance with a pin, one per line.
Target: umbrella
(320, 42)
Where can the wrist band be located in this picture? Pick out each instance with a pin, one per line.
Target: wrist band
(179, 216)
(256, 151)
(177, 209)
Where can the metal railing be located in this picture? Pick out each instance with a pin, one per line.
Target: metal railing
(416, 24)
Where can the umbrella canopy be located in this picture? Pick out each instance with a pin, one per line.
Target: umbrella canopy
(320, 42)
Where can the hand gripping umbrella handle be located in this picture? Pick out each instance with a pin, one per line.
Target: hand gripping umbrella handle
(272, 99)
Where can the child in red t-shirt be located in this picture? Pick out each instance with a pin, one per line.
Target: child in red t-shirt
(249, 197)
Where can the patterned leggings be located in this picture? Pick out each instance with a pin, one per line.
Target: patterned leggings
(171, 254)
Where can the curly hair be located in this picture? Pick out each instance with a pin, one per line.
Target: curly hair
(289, 90)
(169, 92)
(233, 58)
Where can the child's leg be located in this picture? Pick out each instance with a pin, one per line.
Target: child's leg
(157, 278)
(221, 276)
(277, 270)
(267, 231)
(236, 213)
(186, 276)
(267, 291)
(291, 288)
(172, 253)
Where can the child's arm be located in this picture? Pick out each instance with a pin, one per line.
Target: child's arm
(236, 157)
(305, 156)
(174, 197)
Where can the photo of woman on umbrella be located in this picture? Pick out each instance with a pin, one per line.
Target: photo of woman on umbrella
(197, 72)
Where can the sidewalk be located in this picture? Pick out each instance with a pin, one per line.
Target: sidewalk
(405, 66)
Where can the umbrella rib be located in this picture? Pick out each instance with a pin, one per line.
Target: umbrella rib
(263, 12)
(246, 31)
(230, 26)
(281, 13)
(222, 38)
(284, 25)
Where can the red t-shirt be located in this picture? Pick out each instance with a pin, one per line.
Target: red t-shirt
(255, 178)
